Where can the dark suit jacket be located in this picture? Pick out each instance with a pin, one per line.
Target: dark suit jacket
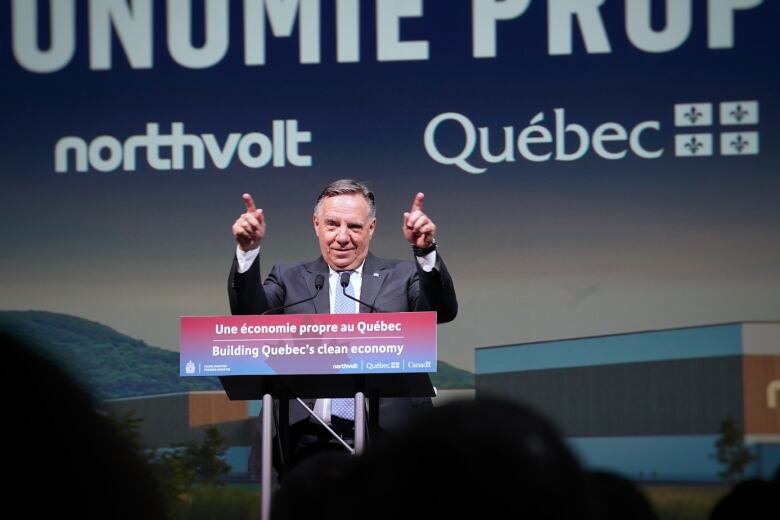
(389, 285)
(400, 286)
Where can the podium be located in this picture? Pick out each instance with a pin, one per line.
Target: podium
(309, 356)
(286, 387)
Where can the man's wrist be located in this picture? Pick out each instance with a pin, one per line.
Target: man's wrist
(246, 258)
(423, 251)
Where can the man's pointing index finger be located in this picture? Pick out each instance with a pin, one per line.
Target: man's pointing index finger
(249, 203)
(417, 205)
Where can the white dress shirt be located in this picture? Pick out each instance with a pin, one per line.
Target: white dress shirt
(245, 259)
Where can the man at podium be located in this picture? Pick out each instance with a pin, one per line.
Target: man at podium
(346, 278)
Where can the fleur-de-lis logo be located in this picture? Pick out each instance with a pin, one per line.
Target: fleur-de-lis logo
(693, 115)
(739, 113)
(694, 145)
(739, 143)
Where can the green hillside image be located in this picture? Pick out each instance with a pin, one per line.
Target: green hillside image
(113, 365)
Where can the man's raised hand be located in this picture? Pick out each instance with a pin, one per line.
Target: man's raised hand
(419, 230)
(249, 228)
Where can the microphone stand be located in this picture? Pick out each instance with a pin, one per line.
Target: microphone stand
(344, 282)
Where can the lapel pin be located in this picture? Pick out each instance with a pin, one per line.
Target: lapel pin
(376, 275)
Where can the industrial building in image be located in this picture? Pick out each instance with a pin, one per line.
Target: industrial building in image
(650, 404)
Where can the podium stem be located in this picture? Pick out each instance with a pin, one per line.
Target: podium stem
(360, 422)
(265, 474)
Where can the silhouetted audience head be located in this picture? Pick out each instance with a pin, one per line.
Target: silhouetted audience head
(617, 498)
(318, 487)
(752, 499)
(59, 449)
(498, 459)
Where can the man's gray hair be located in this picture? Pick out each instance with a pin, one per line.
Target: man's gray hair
(346, 187)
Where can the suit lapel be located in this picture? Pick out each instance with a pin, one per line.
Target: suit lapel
(322, 301)
(374, 275)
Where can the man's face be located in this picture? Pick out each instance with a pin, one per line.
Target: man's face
(344, 230)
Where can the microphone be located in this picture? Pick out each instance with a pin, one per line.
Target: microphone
(319, 283)
(344, 281)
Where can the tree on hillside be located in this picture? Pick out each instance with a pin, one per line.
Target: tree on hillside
(175, 476)
(181, 465)
(170, 467)
(207, 458)
(130, 425)
(731, 451)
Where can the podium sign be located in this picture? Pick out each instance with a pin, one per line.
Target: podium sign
(286, 344)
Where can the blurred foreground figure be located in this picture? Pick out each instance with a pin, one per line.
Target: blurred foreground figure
(481, 459)
(66, 458)
(319, 487)
(752, 499)
(618, 498)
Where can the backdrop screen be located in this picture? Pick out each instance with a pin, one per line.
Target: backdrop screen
(592, 167)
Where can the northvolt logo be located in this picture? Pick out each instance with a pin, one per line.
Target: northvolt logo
(178, 150)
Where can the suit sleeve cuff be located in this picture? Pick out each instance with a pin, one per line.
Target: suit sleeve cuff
(245, 258)
(427, 262)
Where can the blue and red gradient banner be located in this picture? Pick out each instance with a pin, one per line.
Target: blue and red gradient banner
(308, 344)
